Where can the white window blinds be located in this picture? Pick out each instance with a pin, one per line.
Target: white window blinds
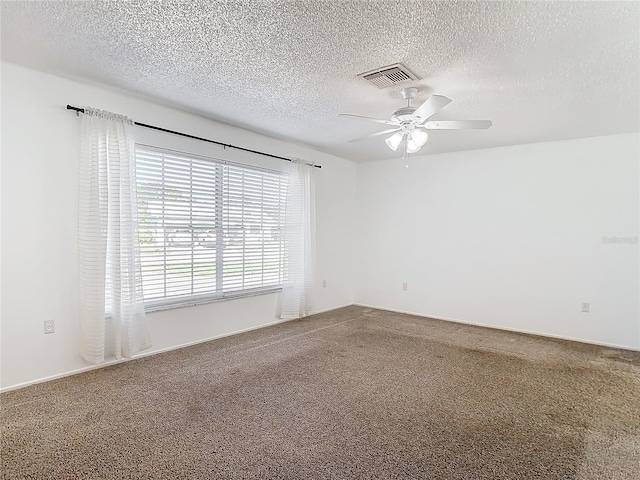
(208, 229)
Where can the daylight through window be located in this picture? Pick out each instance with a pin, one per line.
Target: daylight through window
(207, 229)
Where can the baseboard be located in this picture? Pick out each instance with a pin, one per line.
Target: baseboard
(337, 307)
(65, 374)
(332, 308)
(110, 363)
(514, 330)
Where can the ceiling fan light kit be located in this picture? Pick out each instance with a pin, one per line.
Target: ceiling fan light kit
(416, 140)
(411, 123)
(394, 141)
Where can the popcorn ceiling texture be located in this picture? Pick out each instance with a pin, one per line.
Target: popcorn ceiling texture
(539, 70)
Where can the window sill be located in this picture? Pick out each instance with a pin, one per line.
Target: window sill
(205, 299)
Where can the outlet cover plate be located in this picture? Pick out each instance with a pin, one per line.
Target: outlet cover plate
(49, 326)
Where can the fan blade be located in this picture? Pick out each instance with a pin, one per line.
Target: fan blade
(384, 132)
(456, 124)
(430, 107)
(377, 120)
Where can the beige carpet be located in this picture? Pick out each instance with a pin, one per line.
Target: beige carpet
(353, 393)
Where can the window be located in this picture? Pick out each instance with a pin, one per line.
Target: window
(208, 229)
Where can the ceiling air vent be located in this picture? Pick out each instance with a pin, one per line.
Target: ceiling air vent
(388, 76)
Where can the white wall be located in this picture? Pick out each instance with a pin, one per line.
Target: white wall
(508, 237)
(40, 145)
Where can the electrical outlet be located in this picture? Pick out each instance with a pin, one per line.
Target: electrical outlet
(49, 326)
(585, 308)
(324, 284)
(404, 286)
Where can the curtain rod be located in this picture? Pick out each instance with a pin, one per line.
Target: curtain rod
(226, 145)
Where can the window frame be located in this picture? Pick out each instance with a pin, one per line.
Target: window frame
(222, 168)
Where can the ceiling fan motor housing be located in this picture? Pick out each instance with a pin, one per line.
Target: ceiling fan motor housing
(403, 114)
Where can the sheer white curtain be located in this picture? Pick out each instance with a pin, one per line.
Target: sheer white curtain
(112, 319)
(300, 225)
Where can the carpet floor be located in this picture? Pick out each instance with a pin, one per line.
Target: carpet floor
(353, 393)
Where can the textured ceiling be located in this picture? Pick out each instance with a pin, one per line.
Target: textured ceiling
(539, 70)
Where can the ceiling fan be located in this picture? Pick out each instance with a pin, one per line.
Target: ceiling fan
(410, 124)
